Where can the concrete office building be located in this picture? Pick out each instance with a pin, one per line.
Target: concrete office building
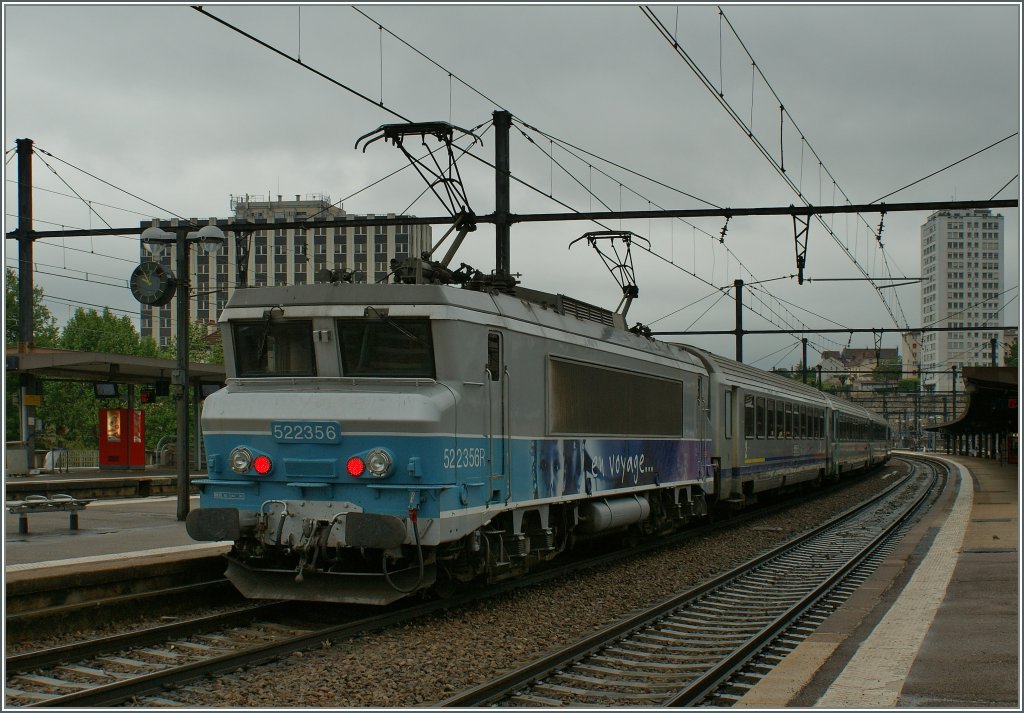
(279, 256)
(962, 266)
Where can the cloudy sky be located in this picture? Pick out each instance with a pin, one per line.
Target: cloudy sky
(172, 113)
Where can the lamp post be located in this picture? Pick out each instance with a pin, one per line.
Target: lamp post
(210, 237)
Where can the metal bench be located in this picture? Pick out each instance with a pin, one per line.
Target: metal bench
(41, 503)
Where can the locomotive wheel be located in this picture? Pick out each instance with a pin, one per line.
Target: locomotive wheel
(444, 586)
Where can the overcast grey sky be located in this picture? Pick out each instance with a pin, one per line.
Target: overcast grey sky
(179, 110)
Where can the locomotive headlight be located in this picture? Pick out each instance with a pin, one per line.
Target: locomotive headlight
(379, 462)
(240, 459)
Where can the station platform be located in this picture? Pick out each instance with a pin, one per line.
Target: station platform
(937, 625)
(115, 531)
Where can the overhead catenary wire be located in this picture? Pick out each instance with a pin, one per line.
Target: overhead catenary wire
(275, 50)
(721, 296)
(122, 282)
(944, 168)
(106, 183)
(40, 189)
(973, 306)
(776, 364)
(566, 145)
(1004, 186)
(88, 204)
(660, 27)
(590, 192)
(450, 73)
(791, 348)
(684, 307)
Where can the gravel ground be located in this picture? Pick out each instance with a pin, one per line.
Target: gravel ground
(52, 639)
(422, 663)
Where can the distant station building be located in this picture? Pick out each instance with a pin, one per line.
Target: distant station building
(962, 265)
(855, 368)
(281, 256)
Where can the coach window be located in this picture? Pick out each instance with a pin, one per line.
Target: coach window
(771, 418)
(789, 420)
(780, 419)
(760, 417)
(748, 416)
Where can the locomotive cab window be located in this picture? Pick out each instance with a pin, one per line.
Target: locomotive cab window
(274, 348)
(386, 347)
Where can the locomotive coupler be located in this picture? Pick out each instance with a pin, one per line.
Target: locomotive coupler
(314, 536)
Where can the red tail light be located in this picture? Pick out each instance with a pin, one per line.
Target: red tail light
(355, 466)
(262, 465)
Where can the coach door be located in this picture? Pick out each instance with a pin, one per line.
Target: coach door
(703, 430)
(497, 417)
(832, 460)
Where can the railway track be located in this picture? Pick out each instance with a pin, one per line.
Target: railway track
(30, 616)
(708, 645)
(143, 667)
(134, 667)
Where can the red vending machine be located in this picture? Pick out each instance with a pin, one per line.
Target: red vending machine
(122, 439)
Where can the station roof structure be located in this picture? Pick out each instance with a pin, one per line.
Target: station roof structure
(992, 394)
(69, 365)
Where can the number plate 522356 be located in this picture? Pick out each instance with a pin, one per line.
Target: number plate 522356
(306, 431)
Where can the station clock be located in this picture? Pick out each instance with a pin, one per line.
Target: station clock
(152, 284)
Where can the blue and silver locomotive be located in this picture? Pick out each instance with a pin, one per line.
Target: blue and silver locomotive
(374, 441)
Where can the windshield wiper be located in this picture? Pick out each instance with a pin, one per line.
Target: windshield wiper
(267, 314)
(383, 316)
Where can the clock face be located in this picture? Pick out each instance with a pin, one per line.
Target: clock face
(152, 284)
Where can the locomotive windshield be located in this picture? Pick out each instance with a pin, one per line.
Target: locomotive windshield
(274, 348)
(396, 347)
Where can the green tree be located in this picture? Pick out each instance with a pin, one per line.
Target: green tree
(908, 386)
(888, 371)
(45, 333)
(201, 349)
(1010, 354)
(91, 331)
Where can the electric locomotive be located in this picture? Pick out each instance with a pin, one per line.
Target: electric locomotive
(377, 440)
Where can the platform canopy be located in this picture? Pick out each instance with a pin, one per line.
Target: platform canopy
(72, 365)
(992, 394)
